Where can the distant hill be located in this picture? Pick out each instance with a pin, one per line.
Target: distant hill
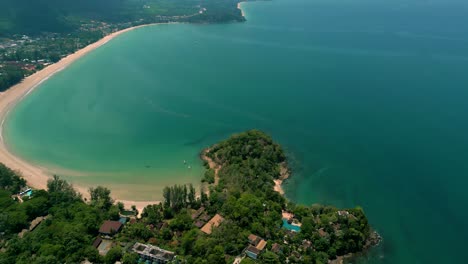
(35, 16)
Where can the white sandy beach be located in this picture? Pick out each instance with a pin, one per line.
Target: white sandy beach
(240, 8)
(36, 176)
(284, 174)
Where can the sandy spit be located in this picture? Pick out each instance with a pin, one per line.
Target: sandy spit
(239, 6)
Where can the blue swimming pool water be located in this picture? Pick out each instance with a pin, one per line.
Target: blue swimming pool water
(290, 227)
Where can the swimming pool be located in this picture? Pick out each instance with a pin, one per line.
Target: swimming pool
(288, 226)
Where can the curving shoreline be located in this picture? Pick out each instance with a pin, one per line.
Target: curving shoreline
(37, 176)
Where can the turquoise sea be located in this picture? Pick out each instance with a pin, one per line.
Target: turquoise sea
(368, 97)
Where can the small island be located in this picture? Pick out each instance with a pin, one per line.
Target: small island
(238, 216)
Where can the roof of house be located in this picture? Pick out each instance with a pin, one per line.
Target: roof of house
(253, 250)
(261, 245)
(257, 241)
(214, 222)
(253, 238)
(276, 247)
(306, 243)
(322, 232)
(97, 242)
(109, 227)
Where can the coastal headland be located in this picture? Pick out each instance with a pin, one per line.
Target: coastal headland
(251, 164)
(243, 216)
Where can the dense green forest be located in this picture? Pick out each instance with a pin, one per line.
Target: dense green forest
(36, 33)
(36, 16)
(244, 198)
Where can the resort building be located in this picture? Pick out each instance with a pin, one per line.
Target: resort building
(252, 252)
(153, 253)
(257, 245)
(214, 222)
(110, 228)
(276, 248)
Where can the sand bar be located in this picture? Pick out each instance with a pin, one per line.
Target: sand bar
(37, 176)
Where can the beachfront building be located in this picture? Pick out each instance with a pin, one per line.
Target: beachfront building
(214, 222)
(110, 228)
(257, 245)
(152, 253)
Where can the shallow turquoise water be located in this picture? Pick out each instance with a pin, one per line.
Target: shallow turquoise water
(290, 227)
(367, 97)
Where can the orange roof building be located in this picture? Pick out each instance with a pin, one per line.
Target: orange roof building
(214, 222)
(257, 245)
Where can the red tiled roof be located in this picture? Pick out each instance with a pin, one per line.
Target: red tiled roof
(110, 227)
(252, 238)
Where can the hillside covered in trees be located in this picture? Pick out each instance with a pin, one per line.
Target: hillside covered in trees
(36, 16)
(238, 216)
(37, 33)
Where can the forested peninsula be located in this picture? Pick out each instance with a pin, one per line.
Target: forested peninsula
(236, 217)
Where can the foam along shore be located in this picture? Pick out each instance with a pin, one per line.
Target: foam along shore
(37, 176)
